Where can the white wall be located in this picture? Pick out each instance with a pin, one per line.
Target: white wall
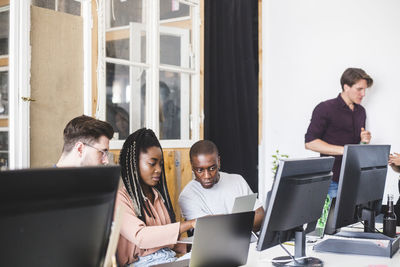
(307, 44)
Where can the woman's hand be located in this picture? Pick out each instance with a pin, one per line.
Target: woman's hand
(187, 225)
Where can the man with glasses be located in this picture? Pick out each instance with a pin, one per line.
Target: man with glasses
(213, 192)
(86, 142)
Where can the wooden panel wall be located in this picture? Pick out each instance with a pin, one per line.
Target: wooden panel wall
(178, 172)
(4, 61)
(4, 2)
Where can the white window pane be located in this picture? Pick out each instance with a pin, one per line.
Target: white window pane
(4, 32)
(3, 141)
(66, 6)
(49, 4)
(175, 42)
(3, 150)
(174, 105)
(140, 51)
(69, 6)
(128, 43)
(121, 13)
(125, 99)
(170, 49)
(118, 49)
(3, 92)
(3, 161)
(173, 9)
(117, 104)
(175, 46)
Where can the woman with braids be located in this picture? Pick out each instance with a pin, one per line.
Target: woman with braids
(149, 232)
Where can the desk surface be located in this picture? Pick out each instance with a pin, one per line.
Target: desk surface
(263, 258)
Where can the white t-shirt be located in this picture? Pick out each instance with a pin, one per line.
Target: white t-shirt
(196, 201)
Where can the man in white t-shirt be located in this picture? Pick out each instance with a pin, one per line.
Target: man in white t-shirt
(213, 192)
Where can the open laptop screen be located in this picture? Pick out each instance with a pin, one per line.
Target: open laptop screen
(222, 240)
(244, 203)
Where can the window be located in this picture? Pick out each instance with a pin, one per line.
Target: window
(150, 66)
(4, 84)
(3, 92)
(72, 7)
(4, 29)
(3, 148)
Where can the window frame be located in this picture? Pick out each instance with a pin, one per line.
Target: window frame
(6, 69)
(153, 67)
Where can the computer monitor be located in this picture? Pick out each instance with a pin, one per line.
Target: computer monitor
(56, 216)
(297, 198)
(361, 186)
(359, 198)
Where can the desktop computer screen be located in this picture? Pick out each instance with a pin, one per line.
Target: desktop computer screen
(359, 198)
(361, 186)
(56, 216)
(297, 198)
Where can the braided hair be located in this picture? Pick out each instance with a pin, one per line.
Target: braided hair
(135, 144)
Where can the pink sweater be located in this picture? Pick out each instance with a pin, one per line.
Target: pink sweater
(140, 239)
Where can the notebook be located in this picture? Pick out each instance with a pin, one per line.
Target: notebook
(220, 240)
(241, 204)
(244, 203)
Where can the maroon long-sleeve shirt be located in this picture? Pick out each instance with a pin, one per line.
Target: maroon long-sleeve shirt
(335, 123)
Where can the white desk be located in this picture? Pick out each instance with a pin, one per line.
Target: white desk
(263, 258)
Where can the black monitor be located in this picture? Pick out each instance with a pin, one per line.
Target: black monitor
(297, 198)
(56, 216)
(361, 186)
(359, 199)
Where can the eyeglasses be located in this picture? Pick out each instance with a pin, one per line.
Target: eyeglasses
(104, 152)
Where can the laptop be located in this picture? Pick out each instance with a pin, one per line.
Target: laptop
(323, 224)
(178, 263)
(241, 204)
(244, 203)
(220, 240)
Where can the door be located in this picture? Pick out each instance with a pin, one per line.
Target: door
(56, 81)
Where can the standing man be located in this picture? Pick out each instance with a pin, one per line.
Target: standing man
(213, 192)
(340, 121)
(86, 142)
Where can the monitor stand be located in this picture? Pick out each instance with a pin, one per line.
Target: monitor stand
(369, 220)
(300, 258)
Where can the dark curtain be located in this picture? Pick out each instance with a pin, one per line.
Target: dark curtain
(231, 84)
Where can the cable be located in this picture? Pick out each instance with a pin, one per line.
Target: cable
(290, 255)
(376, 230)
